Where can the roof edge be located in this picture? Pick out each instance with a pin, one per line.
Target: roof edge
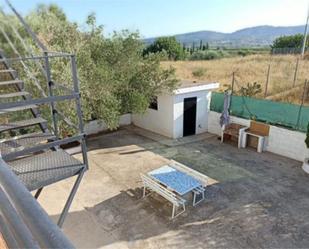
(190, 89)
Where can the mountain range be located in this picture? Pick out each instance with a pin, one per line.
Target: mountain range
(260, 36)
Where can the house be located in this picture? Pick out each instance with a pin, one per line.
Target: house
(182, 113)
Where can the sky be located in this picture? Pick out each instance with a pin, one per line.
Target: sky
(168, 17)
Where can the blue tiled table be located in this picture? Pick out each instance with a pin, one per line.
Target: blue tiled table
(174, 179)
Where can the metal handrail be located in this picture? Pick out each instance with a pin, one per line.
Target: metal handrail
(39, 57)
(28, 29)
(41, 147)
(23, 222)
(5, 107)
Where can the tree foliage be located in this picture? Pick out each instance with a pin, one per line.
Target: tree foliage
(115, 77)
(168, 45)
(292, 41)
(252, 89)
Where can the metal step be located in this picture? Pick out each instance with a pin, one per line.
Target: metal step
(46, 168)
(7, 71)
(12, 95)
(22, 142)
(18, 108)
(10, 82)
(21, 124)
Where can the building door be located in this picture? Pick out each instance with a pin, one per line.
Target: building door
(189, 116)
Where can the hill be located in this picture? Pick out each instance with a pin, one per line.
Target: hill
(260, 36)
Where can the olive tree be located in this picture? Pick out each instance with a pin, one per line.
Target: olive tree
(114, 75)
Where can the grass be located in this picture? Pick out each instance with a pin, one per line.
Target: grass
(249, 69)
(199, 72)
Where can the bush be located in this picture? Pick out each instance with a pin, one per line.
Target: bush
(206, 55)
(252, 89)
(168, 45)
(291, 41)
(244, 52)
(199, 72)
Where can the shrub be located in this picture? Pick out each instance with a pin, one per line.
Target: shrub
(291, 41)
(206, 55)
(199, 72)
(251, 89)
(244, 52)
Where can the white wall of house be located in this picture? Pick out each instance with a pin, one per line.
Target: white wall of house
(202, 109)
(158, 121)
(281, 141)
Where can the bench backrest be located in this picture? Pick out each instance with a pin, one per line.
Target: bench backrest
(260, 128)
(164, 192)
(233, 126)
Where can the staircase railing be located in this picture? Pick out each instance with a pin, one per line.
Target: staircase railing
(23, 223)
(45, 68)
(51, 93)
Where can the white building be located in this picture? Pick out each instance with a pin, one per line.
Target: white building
(183, 113)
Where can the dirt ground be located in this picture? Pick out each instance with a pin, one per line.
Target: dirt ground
(254, 200)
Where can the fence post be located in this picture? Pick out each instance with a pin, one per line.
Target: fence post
(302, 103)
(232, 91)
(295, 73)
(267, 81)
(233, 82)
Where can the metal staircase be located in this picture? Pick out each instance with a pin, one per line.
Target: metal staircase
(30, 142)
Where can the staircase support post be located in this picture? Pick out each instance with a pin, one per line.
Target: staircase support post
(79, 108)
(50, 93)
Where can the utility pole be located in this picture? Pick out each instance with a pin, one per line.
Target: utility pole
(305, 36)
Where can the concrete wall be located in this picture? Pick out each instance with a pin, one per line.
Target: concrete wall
(97, 126)
(281, 141)
(159, 121)
(202, 109)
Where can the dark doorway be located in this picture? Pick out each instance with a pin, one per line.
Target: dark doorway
(189, 116)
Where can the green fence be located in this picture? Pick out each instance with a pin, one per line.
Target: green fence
(277, 113)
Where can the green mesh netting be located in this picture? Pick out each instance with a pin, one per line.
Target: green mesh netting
(276, 113)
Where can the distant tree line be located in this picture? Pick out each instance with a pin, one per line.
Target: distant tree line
(288, 44)
(171, 49)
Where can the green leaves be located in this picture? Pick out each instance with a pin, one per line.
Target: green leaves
(168, 45)
(292, 41)
(115, 78)
(251, 90)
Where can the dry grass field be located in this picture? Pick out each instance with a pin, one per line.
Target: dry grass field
(250, 69)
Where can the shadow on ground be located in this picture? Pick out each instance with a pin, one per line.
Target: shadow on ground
(260, 200)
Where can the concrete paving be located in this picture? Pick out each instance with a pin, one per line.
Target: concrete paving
(254, 200)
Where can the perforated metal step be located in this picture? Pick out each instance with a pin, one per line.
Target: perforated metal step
(10, 82)
(12, 95)
(46, 168)
(19, 108)
(22, 142)
(7, 71)
(21, 124)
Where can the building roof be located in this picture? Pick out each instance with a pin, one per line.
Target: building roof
(194, 86)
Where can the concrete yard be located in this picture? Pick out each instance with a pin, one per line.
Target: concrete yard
(254, 200)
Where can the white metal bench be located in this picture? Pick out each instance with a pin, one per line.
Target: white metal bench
(197, 192)
(176, 200)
